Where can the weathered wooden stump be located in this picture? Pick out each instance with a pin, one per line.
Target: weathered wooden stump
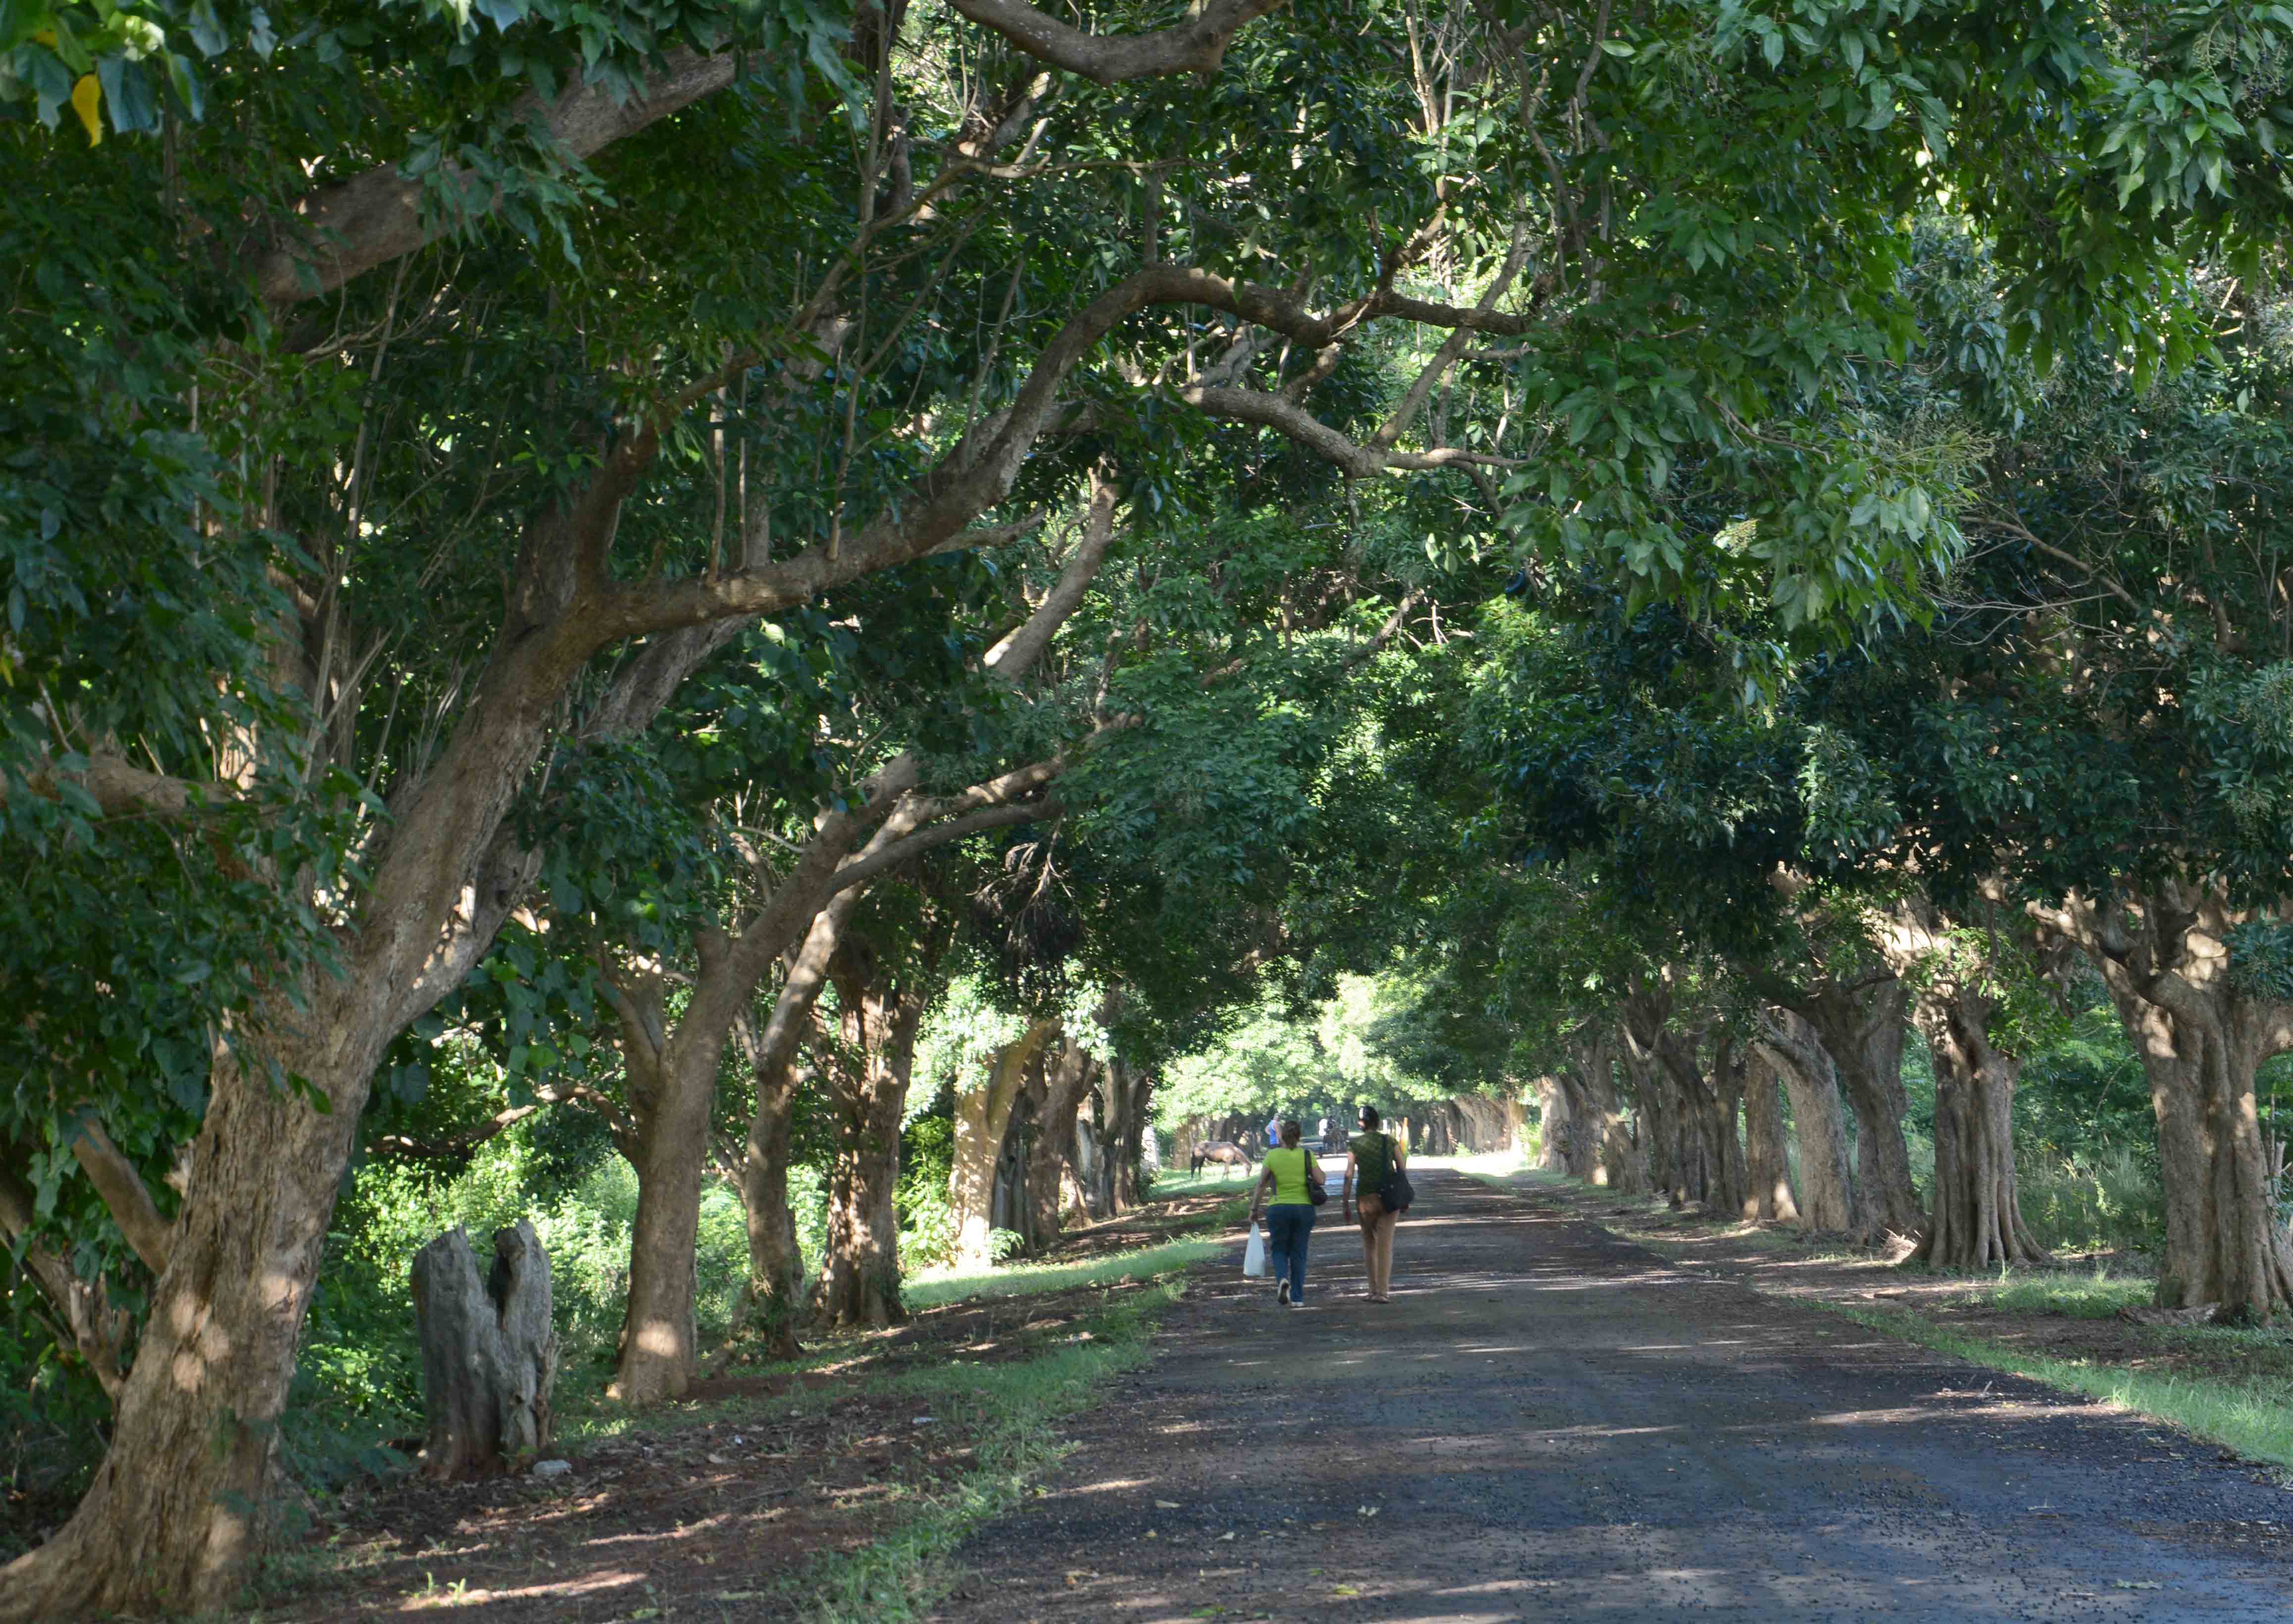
(489, 1353)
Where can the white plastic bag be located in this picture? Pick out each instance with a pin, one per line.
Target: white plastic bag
(1253, 1255)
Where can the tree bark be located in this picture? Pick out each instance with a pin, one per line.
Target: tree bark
(1652, 1092)
(1707, 1158)
(2202, 1035)
(1613, 1160)
(1766, 1151)
(1722, 1108)
(776, 1286)
(489, 1353)
(1556, 1126)
(1826, 1196)
(1861, 1025)
(775, 1294)
(671, 1101)
(1051, 1157)
(877, 1013)
(1120, 1151)
(175, 1508)
(983, 1115)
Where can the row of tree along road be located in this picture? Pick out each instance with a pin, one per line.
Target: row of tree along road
(603, 559)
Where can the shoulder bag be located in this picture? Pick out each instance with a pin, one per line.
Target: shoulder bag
(1394, 1194)
(1316, 1191)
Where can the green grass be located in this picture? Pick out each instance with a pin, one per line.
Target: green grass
(2253, 1417)
(1017, 1280)
(901, 1575)
(1169, 1182)
(2098, 1296)
(2110, 1202)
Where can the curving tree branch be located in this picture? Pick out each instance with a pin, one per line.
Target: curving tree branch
(350, 228)
(1196, 45)
(125, 1193)
(1286, 417)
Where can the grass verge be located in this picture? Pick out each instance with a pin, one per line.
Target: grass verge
(1168, 1185)
(2251, 1417)
(1017, 1280)
(1011, 1408)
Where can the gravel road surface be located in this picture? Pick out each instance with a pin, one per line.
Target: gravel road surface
(1550, 1422)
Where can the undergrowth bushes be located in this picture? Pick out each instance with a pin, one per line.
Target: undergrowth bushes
(2107, 1201)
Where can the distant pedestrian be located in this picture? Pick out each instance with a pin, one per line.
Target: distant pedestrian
(1291, 1177)
(1273, 1131)
(1370, 1155)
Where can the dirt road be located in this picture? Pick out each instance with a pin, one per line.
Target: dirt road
(1552, 1422)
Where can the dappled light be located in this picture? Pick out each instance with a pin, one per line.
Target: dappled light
(963, 811)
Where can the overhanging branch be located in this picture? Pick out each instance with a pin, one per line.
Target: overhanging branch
(1196, 45)
(375, 217)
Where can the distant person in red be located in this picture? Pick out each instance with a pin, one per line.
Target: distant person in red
(1370, 1155)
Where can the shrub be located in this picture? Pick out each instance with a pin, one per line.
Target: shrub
(927, 1226)
(2110, 1201)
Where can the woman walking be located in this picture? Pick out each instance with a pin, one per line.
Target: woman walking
(1370, 1155)
(1292, 1177)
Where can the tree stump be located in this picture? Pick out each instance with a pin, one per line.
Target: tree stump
(489, 1353)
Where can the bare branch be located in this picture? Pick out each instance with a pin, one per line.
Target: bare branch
(1196, 45)
(1420, 389)
(373, 218)
(124, 1192)
(861, 870)
(1009, 660)
(122, 791)
(1286, 417)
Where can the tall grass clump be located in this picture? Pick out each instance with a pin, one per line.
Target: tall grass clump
(2105, 1200)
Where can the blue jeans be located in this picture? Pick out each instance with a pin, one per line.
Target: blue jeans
(1287, 1228)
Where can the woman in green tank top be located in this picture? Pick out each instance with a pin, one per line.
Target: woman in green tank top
(1370, 1155)
(1290, 1174)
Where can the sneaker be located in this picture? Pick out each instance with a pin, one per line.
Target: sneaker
(1282, 1293)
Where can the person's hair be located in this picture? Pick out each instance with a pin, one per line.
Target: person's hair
(1290, 1130)
(1369, 1116)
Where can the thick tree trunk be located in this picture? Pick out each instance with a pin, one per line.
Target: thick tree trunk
(775, 1259)
(1652, 1092)
(174, 1510)
(1050, 1157)
(1978, 1214)
(1605, 1145)
(671, 1085)
(1556, 1124)
(1708, 1155)
(489, 1353)
(983, 1117)
(776, 1285)
(1721, 1109)
(1123, 1148)
(1861, 1028)
(878, 1015)
(1826, 1196)
(1978, 1217)
(2202, 1035)
(1766, 1151)
(1622, 1166)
